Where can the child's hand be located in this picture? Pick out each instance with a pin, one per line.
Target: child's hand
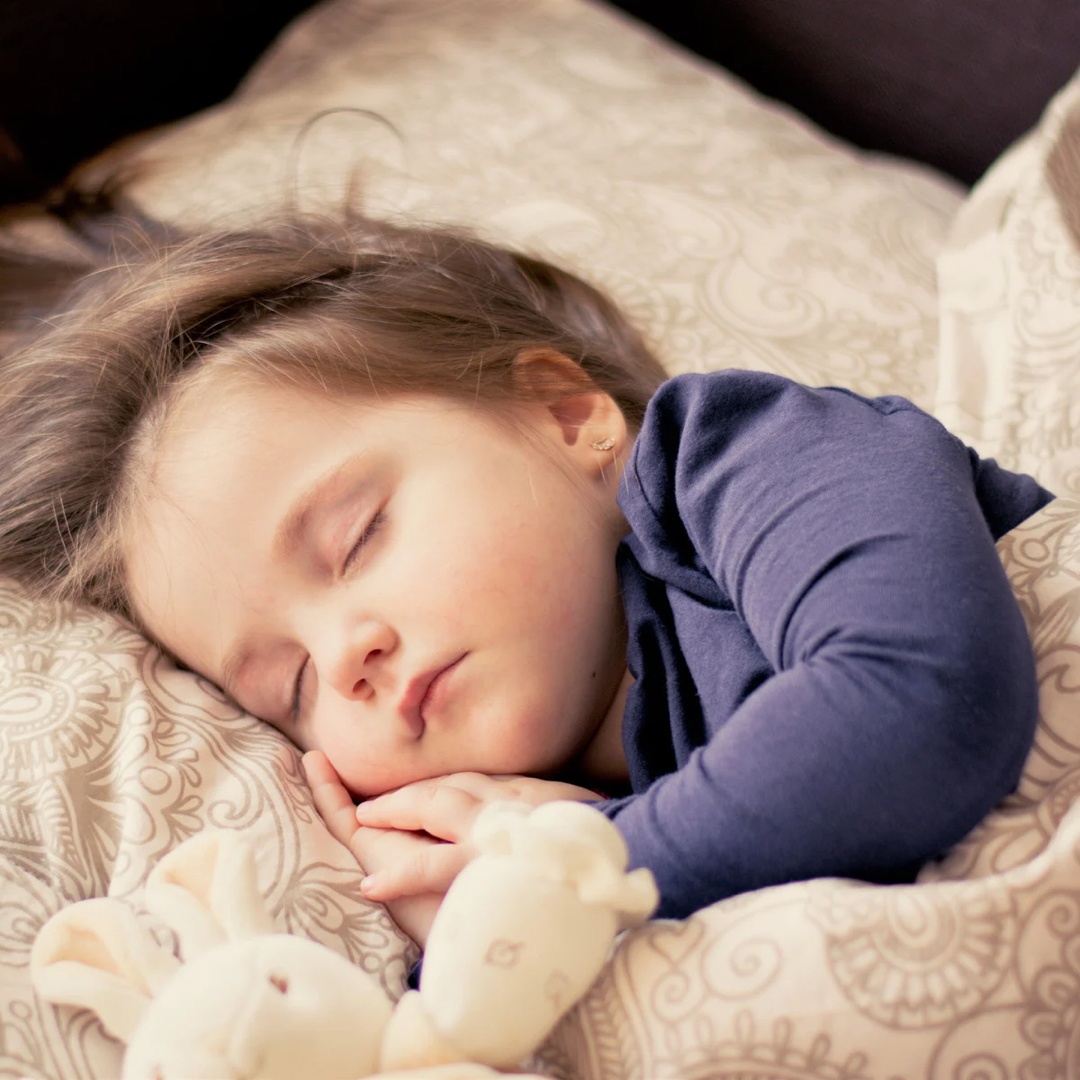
(374, 849)
(445, 807)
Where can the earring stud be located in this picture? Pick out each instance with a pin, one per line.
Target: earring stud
(602, 444)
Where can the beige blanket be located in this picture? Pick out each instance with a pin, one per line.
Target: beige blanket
(738, 236)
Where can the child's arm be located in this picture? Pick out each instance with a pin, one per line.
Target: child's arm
(847, 538)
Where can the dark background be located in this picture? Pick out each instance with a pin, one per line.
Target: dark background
(77, 74)
(948, 82)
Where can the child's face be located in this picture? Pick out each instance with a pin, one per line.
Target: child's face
(408, 586)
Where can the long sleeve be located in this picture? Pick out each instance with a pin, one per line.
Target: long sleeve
(846, 540)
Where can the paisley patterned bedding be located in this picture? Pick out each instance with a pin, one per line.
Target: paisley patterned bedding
(738, 236)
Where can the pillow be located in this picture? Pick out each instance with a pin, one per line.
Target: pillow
(972, 972)
(1010, 306)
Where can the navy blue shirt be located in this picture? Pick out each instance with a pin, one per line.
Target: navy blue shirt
(832, 674)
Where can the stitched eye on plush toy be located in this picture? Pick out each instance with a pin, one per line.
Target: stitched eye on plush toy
(280, 983)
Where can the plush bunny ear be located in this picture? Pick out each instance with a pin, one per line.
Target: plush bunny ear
(96, 955)
(206, 890)
(571, 842)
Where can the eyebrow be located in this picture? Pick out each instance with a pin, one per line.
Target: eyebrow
(287, 539)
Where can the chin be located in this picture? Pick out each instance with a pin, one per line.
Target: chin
(370, 787)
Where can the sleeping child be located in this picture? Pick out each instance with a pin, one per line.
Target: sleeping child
(430, 508)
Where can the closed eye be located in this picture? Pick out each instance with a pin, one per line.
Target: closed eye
(298, 689)
(373, 526)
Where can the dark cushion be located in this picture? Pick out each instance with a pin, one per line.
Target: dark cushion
(948, 82)
(77, 74)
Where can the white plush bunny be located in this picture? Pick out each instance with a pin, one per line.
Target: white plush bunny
(519, 938)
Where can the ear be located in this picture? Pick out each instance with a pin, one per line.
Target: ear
(96, 955)
(206, 890)
(588, 420)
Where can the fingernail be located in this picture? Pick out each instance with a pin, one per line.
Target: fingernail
(367, 884)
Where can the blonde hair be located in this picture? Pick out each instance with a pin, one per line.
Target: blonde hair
(351, 308)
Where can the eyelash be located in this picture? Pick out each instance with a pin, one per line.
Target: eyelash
(372, 527)
(370, 530)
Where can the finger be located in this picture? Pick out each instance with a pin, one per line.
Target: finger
(377, 848)
(430, 870)
(482, 785)
(445, 811)
(475, 783)
(333, 803)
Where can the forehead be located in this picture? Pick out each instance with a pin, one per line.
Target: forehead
(228, 438)
(215, 412)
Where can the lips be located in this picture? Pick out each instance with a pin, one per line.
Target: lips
(424, 696)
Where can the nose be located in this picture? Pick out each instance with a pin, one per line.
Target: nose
(355, 664)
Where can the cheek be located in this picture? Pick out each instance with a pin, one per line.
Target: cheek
(466, 567)
(366, 761)
(363, 773)
(352, 751)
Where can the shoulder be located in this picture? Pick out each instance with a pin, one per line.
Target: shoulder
(732, 394)
(717, 406)
(684, 393)
(713, 413)
(742, 434)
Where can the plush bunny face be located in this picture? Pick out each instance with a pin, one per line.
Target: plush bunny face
(245, 1003)
(274, 1007)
